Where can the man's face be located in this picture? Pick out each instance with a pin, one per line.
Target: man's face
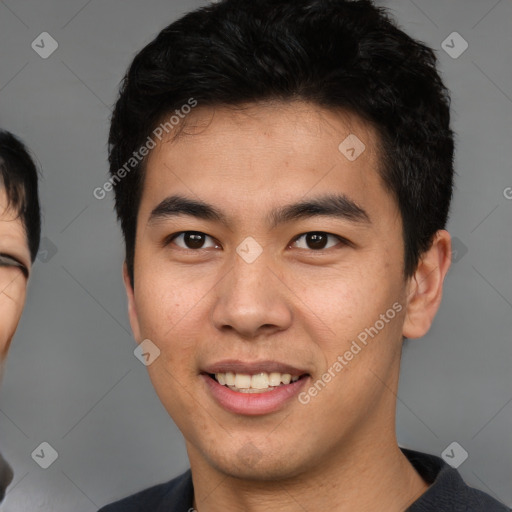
(256, 296)
(13, 282)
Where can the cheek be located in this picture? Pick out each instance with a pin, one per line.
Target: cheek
(345, 301)
(10, 312)
(168, 306)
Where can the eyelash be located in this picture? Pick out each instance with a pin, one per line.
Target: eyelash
(343, 241)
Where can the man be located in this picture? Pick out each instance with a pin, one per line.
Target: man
(283, 172)
(20, 231)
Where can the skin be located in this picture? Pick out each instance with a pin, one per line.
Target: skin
(293, 304)
(13, 282)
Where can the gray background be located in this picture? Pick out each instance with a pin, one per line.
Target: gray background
(72, 379)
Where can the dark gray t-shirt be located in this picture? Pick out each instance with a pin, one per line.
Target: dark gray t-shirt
(447, 492)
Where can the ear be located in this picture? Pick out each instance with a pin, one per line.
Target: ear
(425, 287)
(132, 310)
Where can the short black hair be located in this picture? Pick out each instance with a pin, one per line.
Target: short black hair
(337, 54)
(18, 177)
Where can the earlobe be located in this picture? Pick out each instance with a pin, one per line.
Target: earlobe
(132, 310)
(425, 287)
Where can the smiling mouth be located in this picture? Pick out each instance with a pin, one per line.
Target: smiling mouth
(261, 382)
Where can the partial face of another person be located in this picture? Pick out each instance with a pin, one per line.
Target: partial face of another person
(247, 284)
(14, 266)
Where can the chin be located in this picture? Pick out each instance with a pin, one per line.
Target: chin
(249, 463)
(260, 473)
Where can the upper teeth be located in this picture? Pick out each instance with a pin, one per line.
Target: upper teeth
(261, 380)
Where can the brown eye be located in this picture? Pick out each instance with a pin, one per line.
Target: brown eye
(192, 240)
(318, 240)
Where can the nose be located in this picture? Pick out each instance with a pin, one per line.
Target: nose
(251, 300)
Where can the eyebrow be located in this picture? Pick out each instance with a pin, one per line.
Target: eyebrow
(332, 205)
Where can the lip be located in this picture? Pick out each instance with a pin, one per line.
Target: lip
(253, 404)
(251, 368)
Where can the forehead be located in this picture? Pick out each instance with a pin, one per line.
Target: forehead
(291, 122)
(263, 154)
